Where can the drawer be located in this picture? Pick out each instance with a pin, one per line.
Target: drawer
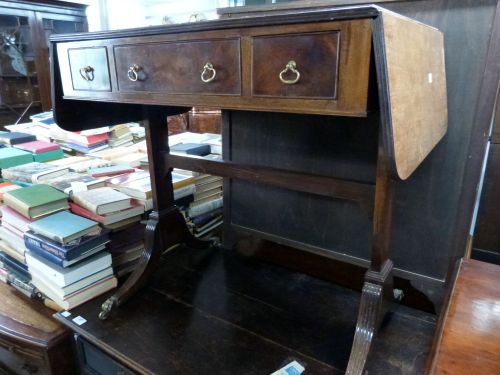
(92, 360)
(89, 69)
(178, 67)
(297, 66)
(21, 361)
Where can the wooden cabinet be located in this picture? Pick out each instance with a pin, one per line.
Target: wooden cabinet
(25, 27)
(31, 341)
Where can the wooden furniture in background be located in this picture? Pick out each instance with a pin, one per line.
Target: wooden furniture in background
(25, 27)
(486, 241)
(31, 341)
(468, 339)
(314, 63)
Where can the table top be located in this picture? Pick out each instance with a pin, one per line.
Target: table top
(219, 310)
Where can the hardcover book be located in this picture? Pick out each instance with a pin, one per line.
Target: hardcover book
(86, 149)
(197, 149)
(63, 262)
(38, 244)
(102, 201)
(82, 295)
(13, 138)
(15, 219)
(38, 147)
(11, 156)
(64, 276)
(112, 170)
(72, 288)
(34, 172)
(109, 218)
(72, 180)
(87, 140)
(36, 201)
(65, 227)
(137, 185)
(7, 186)
(181, 180)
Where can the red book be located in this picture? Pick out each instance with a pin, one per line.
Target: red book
(87, 140)
(38, 147)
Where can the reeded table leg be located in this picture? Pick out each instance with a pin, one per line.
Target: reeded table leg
(378, 279)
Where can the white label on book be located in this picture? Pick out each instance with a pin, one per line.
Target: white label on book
(293, 368)
(79, 320)
(78, 186)
(65, 314)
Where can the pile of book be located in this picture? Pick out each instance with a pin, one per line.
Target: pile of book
(67, 259)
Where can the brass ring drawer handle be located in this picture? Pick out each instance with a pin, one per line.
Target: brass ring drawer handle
(87, 73)
(133, 72)
(292, 67)
(208, 73)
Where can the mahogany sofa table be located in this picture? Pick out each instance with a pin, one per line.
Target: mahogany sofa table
(332, 62)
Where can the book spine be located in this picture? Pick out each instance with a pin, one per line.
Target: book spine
(22, 285)
(13, 203)
(202, 208)
(44, 249)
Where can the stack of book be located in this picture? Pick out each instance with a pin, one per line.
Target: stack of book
(120, 135)
(205, 212)
(11, 157)
(67, 259)
(126, 248)
(42, 151)
(23, 207)
(113, 209)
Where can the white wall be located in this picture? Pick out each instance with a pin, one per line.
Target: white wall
(122, 14)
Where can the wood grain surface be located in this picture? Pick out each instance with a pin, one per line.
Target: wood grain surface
(417, 89)
(470, 342)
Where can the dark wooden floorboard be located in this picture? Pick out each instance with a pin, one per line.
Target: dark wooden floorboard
(221, 312)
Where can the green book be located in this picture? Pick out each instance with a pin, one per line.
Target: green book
(49, 155)
(11, 156)
(36, 200)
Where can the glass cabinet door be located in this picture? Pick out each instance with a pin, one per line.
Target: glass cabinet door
(18, 73)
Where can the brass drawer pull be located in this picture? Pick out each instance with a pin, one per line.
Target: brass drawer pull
(87, 73)
(206, 70)
(133, 72)
(291, 66)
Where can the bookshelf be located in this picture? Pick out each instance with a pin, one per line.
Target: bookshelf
(25, 27)
(329, 52)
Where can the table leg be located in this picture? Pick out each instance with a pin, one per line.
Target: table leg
(378, 279)
(166, 226)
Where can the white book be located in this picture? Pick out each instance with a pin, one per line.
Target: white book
(37, 278)
(102, 200)
(64, 276)
(83, 295)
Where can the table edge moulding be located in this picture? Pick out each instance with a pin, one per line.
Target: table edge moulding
(410, 86)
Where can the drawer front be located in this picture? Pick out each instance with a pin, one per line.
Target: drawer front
(89, 69)
(21, 361)
(300, 65)
(93, 361)
(178, 67)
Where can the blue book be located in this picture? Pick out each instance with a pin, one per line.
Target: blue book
(64, 227)
(8, 262)
(85, 149)
(199, 149)
(13, 138)
(42, 246)
(11, 157)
